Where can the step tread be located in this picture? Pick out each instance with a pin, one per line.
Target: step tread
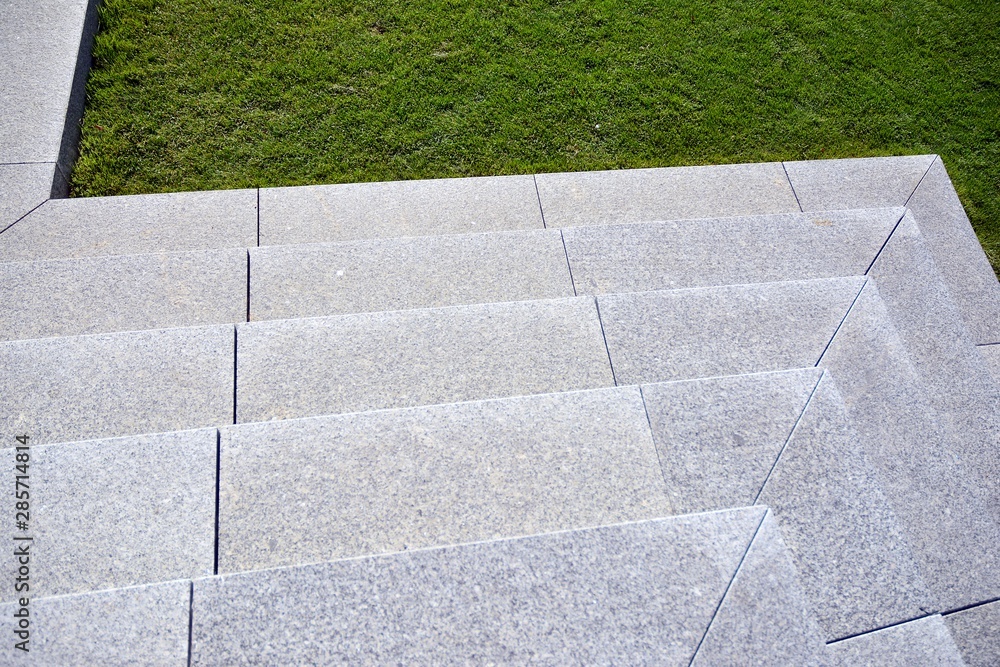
(925, 641)
(975, 634)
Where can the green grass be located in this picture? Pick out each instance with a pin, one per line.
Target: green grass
(192, 94)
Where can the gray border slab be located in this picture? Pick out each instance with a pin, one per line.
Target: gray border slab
(107, 385)
(644, 195)
(991, 358)
(822, 185)
(353, 211)
(115, 513)
(134, 224)
(631, 593)
(25, 187)
(925, 642)
(122, 293)
(144, 625)
(976, 633)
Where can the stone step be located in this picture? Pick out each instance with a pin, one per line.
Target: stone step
(925, 641)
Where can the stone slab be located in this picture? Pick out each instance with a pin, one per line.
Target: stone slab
(925, 642)
(407, 273)
(937, 501)
(975, 633)
(728, 251)
(122, 293)
(141, 626)
(682, 334)
(645, 195)
(856, 567)
(107, 385)
(392, 480)
(823, 185)
(134, 224)
(309, 214)
(22, 188)
(991, 357)
(349, 363)
(625, 594)
(718, 438)
(116, 513)
(764, 618)
(957, 253)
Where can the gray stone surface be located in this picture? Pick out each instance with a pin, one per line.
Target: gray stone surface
(962, 391)
(22, 188)
(855, 565)
(122, 293)
(680, 334)
(400, 274)
(347, 363)
(718, 438)
(975, 631)
(936, 500)
(134, 224)
(991, 356)
(145, 625)
(106, 385)
(644, 195)
(764, 618)
(957, 253)
(391, 480)
(400, 208)
(626, 594)
(822, 185)
(730, 251)
(117, 513)
(921, 643)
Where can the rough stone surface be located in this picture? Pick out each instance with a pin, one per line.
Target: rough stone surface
(957, 253)
(301, 368)
(626, 594)
(764, 618)
(921, 643)
(141, 626)
(401, 208)
(123, 293)
(975, 633)
(377, 482)
(856, 567)
(731, 251)
(823, 185)
(937, 501)
(22, 188)
(134, 224)
(991, 356)
(400, 274)
(117, 513)
(718, 438)
(680, 334)
(645, 195)
(106, 385)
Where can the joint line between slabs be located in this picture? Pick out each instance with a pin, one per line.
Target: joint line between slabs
(839, 326)
(652, 437)
(236, 333)
(568, 265)
(884, 627)
(248, 285)
(885, 243)
(794, 193)
(969, 606)
(23, 216)
(541, 211)
(922, 177)
(258, 217)
(218, 494)
(614, 378)
(190, 622)
(729, 586)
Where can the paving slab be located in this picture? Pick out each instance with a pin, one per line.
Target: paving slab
(764, 617)
(118, 512)
(991, 357)
(122, 293)
(957, 253)
(22, 188)
(145, 625)
(963, 392)
(644, 195)
(350, 363)
(718, 438)
(730, 251)
(925, 642)
(107, 385)
(407, 273)
(134, 224)
(975, 633)
(625, 594)
(937, 501)
(704, 332)
(399, 208)
(378, 482)
(856, 567)
(852, 183)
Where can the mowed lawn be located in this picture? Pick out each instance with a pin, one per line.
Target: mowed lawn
(207, 94)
